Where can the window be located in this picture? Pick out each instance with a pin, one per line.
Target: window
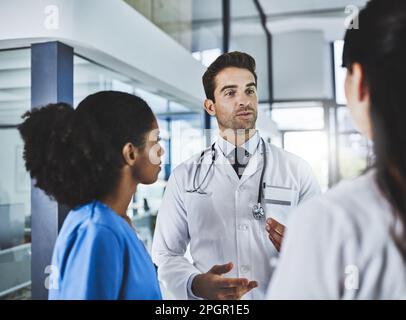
(339, 72)
(304, 134)
(312, 147)
(353, 155)
(299, 118)
(90, 77)
(207, 57)
(267, 126)
(15, 183)
(15, 85)
(345, 123)
(186, 138)
(353, 149)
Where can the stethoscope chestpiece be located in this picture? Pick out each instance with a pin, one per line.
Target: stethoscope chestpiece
(258, 212)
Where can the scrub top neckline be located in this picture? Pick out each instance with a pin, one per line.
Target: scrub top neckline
(115, 213)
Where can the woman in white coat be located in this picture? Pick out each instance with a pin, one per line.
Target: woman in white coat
(351, 242)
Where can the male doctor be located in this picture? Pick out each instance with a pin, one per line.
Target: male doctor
(212, 200)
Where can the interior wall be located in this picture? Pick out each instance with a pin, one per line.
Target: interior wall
(256, 46)
(302, 66)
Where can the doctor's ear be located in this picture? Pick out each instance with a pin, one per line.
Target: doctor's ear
(210, 107)
(130, 153)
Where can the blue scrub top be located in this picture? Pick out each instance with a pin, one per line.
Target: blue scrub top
(98, 256)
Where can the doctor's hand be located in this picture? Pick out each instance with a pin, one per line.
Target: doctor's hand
(275, 232)
(213, 286)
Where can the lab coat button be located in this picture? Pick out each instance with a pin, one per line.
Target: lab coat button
(242, 227)
(240, 188)
(244, 269)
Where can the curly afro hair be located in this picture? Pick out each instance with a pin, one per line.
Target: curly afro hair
(75, 155)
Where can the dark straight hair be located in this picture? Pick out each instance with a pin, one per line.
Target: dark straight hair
(379, 45)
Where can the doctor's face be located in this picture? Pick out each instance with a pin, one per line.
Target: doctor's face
(236, 100)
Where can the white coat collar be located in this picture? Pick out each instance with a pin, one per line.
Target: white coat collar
(250, 145)
(254, 164)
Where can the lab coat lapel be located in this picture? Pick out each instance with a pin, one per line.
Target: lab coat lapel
(224, 165)
(255, 164)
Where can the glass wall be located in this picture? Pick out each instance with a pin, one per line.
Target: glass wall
(354, 150)
(206, 57)
(90, 77)
(304, 133)
(207, 25)
(15, 183)
(340, 72)
(174, 17)
(312, 147)
(187, 138)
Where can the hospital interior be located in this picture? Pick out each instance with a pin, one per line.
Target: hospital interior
(159, 50)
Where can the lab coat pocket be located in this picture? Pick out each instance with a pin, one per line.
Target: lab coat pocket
(206, 228)
(279, 202)
(200, 213)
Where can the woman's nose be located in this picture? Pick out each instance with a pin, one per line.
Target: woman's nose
(161, 150)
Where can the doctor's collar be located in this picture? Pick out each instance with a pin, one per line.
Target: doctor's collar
(250, 145)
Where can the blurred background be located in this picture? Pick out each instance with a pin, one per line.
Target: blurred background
(159, 49)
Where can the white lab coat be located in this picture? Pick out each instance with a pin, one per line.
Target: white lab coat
(340, 246)
(219, 225)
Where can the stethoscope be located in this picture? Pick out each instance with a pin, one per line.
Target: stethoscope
(258, 211)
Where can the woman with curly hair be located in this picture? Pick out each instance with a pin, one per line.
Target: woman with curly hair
(92, 159)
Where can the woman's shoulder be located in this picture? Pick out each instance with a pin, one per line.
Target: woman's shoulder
(360, 195)
(350, 207)
(95, 217)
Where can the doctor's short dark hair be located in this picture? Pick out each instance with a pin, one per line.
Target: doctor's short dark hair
(75, 156)
(226, 60)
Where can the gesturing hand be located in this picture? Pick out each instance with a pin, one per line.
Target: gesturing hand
(213, 286)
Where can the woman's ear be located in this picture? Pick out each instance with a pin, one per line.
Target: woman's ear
(359, 103)
(130, 154)
(359, 83)
(210, 107)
